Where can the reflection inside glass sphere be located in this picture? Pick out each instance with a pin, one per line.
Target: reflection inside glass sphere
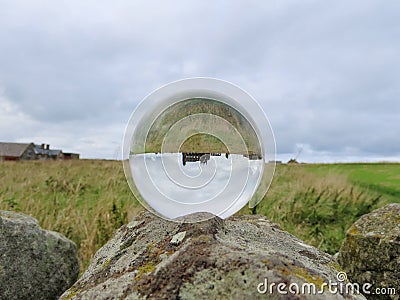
(220, 184)
(196, 149)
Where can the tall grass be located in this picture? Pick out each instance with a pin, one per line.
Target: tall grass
(84, 200)
(88, 200)
(317, 208)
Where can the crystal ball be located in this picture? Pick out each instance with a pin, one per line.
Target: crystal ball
(198, 145)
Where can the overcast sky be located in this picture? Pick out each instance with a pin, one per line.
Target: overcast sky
(327, 73)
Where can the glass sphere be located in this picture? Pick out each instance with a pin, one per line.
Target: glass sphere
(198, 145)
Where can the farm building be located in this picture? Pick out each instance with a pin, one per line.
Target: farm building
(30, 151)
(17, 151)
(44, 152)
(68, 155)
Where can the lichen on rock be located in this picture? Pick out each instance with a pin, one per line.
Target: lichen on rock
(34, 263)
(371, 251)
(213, 259)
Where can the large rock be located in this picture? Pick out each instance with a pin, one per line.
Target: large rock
(371, 251)
(214, 259)
(34, 263)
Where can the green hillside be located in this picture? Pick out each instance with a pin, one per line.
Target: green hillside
(202, 142)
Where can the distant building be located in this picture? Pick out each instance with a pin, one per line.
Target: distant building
(202, 157)
(67, 155)
(17, 151)
(30, 151)
(43, 152)
(252, 156)
(275, 162)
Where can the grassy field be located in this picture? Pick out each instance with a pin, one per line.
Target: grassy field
(381, 178)
(87, 200)
(319, 202)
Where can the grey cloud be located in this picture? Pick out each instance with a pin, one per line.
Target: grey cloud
(326, 73)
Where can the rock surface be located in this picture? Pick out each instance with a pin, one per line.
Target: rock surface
(34, 263)
(214, 259)
(371, 251)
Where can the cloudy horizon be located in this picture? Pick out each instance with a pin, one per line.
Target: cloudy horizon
(327, 74)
